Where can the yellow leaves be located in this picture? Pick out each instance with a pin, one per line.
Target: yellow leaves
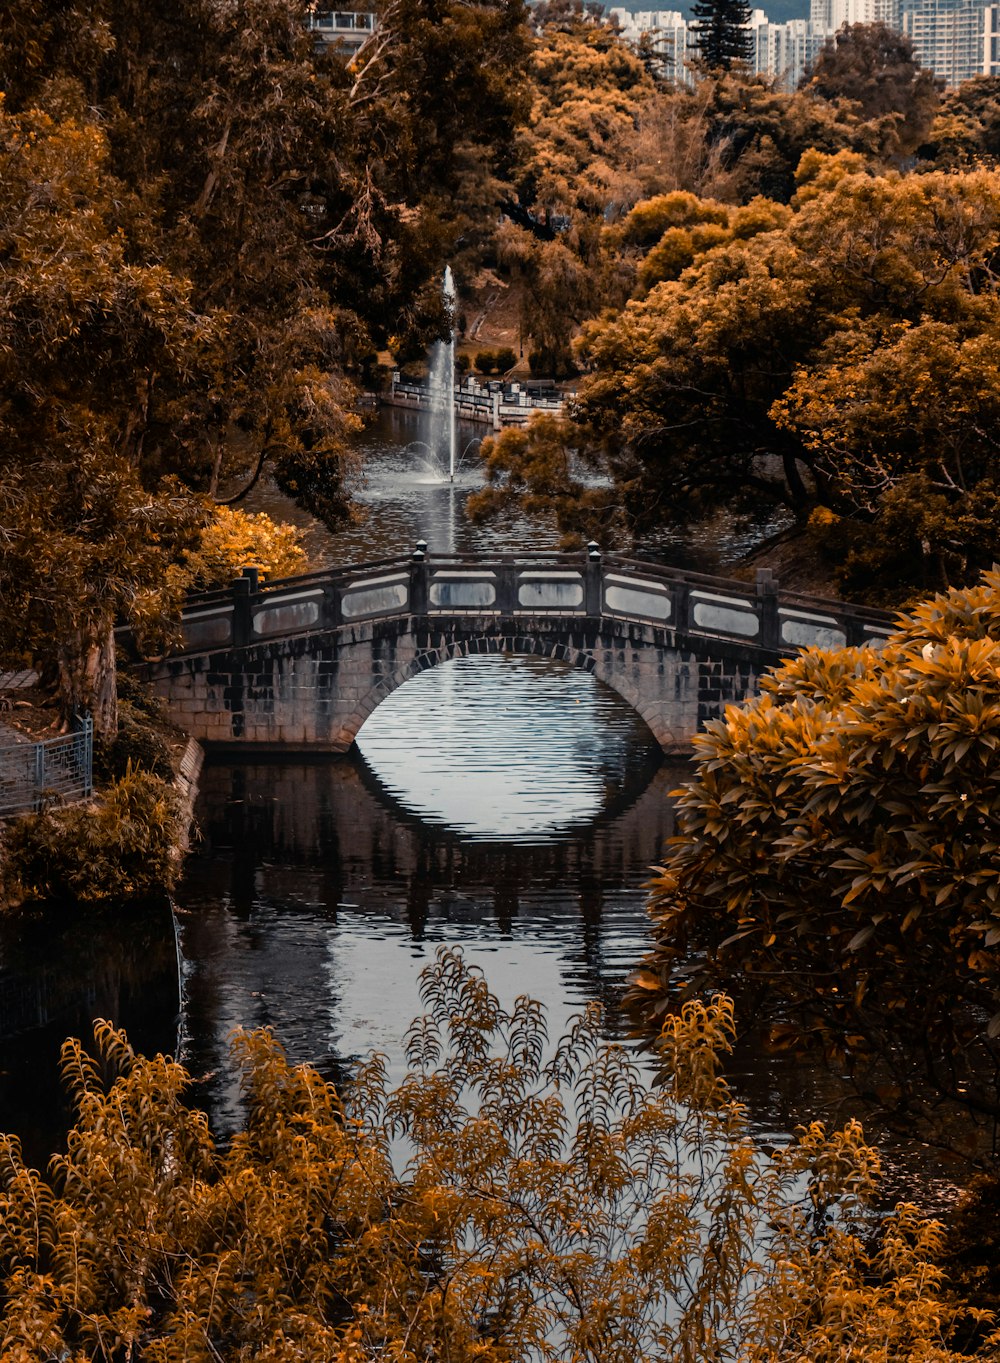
(691, 1045)
(819, 172)
(822, 515)
(646, 1226)
(645, 979)
(838, 846)
(233, 540)
(650, 219)
(589, 90)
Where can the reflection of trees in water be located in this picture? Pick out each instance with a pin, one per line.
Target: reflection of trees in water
(358, 843)
(785, 1090)
(57, 973)
(293, 855)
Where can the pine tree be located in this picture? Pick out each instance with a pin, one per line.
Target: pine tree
(722, 32)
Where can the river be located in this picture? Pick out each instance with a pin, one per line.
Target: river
(512, 806)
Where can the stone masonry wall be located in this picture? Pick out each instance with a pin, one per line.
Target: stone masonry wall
(312, 693)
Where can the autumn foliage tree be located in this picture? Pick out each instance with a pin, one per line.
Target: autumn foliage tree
(836, 864)
(232, 540)
(83, 539)
(874, 67)
(966, 127)
(826, 353)
(507, 1201)
(208, 225)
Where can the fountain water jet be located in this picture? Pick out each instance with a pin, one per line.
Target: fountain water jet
(442, 377)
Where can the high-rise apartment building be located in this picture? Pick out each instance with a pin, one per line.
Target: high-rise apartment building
(956, 39)
(667, 33)
(783, 51)
(829, 15)
(780, 51)
(948, 36)
(991, 40)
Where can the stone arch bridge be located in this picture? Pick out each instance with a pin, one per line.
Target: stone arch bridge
(297, 666)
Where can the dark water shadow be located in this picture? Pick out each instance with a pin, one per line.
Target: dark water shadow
(61, 969)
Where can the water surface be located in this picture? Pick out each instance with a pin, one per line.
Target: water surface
(510, 806)
(505, 805)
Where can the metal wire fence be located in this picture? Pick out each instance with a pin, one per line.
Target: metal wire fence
(55, 770)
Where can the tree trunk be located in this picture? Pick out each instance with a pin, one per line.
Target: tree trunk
(217, 449)
(793, 479)
(87, 681)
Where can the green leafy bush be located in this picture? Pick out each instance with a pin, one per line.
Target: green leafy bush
(486, 361)
(138, 743)
(119, 846)
(505, 359)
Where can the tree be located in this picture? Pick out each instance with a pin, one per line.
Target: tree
(901, 419)
(733, 137)
(500, 1205)
(534, 469)
(558, 291)
(873, 66)
(207, 227)
(588, 88)
(279, 182)
(83, 541)
(817, 355)
(232, 540)
(722, 32)
(836, 864)
(966, 128)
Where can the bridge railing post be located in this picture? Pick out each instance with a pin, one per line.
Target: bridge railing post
(240, 588)
(593, 581)
(767, 606)
(680, 606)
(506, 586)
(419, 597)
(856, 629)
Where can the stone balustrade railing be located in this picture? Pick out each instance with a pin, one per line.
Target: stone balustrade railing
(587, 585)
(495, 405)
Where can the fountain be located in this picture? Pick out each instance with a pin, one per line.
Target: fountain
(442, 382)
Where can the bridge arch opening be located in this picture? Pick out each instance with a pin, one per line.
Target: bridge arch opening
(599, 663)
(508, 746)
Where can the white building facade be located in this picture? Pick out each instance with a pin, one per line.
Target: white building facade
(348, 29)
(948, 37)
(667, 34)
(991, 40)
(783, 51)
(956, 39)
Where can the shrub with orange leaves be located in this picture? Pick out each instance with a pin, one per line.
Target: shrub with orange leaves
(837, 862)
(508, 1201)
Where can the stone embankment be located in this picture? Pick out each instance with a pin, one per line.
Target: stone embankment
(189, 767)
(54, 787)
